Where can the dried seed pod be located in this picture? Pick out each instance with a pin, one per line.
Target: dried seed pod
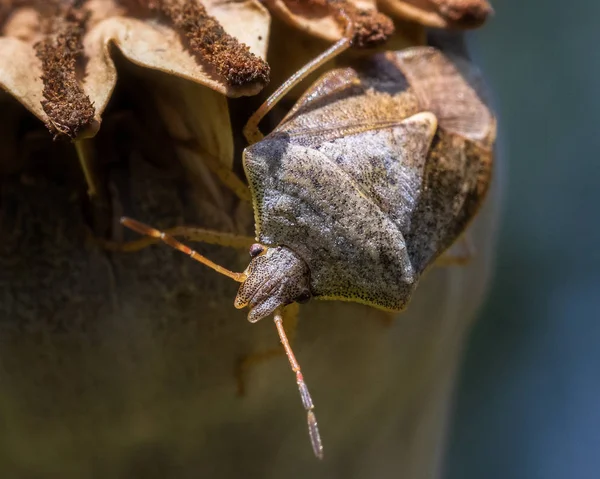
(160, 321)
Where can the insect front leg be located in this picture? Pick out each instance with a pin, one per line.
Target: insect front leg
(207, 236)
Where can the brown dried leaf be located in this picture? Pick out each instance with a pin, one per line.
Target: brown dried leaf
(454, 14)
(160, 44)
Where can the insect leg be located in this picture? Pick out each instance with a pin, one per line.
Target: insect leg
(171, 241)
(189, 233)
(251, 131)
(246, 363)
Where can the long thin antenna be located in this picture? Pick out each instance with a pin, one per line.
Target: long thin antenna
(143, 229)
(250, 130)
(313, 430)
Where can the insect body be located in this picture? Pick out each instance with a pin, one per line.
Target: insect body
(373, 174)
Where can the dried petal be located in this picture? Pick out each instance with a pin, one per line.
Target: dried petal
(203, 34)
(22, 78)
(327, 19)
(226, 65)
(441, 13)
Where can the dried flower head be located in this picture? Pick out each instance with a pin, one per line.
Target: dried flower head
(65, 72)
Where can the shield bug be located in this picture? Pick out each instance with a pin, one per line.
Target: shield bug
(374, 173)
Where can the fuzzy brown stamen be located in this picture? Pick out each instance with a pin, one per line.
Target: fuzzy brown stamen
(467, 12)
(68, 108)
(205, 36)
(371, 28)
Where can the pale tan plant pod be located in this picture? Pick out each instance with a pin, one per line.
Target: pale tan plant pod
(118, 364)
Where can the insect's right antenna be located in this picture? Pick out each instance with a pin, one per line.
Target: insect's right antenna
(251, 131)
(313, 430)
(143, 229)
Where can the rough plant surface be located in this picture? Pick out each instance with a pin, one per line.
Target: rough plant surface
(204, 35)
(465, 11)
(371, 28)
(68, 108)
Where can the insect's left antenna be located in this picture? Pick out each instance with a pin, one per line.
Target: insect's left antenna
(250, 130)
(143, 229)
(313, 429)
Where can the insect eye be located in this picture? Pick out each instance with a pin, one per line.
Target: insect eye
(303, 297)
(256, 249)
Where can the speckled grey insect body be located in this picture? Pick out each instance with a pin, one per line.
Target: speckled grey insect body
(374, 173)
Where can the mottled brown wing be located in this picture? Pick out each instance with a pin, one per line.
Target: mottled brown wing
(458, 170)
(451, 88)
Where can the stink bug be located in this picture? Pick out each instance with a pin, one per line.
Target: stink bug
(374, 173)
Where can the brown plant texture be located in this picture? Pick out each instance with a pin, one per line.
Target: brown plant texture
(123, 364)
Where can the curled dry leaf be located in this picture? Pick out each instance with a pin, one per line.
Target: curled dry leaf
(65, 73)
(454, 14)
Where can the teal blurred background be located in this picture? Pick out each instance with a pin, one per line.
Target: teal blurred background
(528, 404)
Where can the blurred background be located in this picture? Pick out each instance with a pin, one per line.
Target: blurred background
(528, 403)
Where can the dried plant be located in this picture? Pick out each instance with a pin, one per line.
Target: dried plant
(126, 361)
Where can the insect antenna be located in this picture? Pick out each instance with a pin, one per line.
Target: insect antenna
(143, 229)
(250, 130)
(313, 429)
